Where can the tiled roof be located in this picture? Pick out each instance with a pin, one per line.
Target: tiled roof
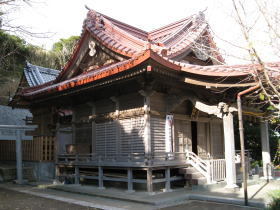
(103, 72)
(10, 116)
(37, 75)
(137, 46)
(129, 41)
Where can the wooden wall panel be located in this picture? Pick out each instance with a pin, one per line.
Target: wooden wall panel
(217, 140)
(131, 135)
(131, 101)
(106, 141)
(83, 133)
(158, 102)
(158, 134)
(41, 148)
(105, 106)
(181, 108)
(183, 136)
(202, 137)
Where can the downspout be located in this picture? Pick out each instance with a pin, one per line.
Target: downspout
(241, 133)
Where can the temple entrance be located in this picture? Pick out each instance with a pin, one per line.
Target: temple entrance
(194, 136)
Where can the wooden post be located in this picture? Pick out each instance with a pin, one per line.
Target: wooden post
(147, 122)
(149, 180)
(229, 150)
(100, 178)
(117, 123)
(267, 169)
(73, 127)
(167, 180)
(130, 180)
(19, 157)
(56, 145)
(93, 129)
(77, 175)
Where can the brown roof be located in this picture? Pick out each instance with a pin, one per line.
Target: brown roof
(138, 46)
(103, 72)
(129, 41)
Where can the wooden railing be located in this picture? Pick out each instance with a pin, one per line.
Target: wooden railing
(147, 159)
(213, 169)
(201, 165)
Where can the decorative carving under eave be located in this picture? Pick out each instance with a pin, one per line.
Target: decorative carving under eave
(96, 58)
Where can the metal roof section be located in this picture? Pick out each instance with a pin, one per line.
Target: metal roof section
(37, 75)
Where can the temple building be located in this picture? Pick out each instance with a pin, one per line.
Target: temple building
(142, 108)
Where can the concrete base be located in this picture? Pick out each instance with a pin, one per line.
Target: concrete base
(44, 171)
(162, 199)
(164, 190)
(267, 178)
(130, 191)
(232, 188)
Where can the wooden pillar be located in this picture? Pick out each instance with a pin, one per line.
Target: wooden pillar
(147, 122)
(267, 169)
(167, 180)
(130, 180)
(149, 180)
(73, 127)
(19, 157)
(229, 150)
(56, 152)
(77, 175)
(100, 178)
(117, 123)
(93, 129)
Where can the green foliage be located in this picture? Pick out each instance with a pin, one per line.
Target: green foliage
(275, 204)
(252, 134)
(62, 49)
(262, 97)
(65, 43)
(14, 51)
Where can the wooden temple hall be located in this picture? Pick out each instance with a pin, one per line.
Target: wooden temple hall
(143, 108)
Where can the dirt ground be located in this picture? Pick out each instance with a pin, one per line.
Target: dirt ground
(11, 200)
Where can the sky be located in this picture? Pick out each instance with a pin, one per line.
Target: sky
(64, 18)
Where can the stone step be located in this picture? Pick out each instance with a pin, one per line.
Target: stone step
(198, 181)
(194, 175)
(188, 170)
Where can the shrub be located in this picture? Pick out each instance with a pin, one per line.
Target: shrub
(275, 204)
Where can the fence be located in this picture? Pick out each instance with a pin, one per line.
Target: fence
(218, 169)
(41, 148)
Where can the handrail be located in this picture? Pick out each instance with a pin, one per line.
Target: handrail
(202, 166)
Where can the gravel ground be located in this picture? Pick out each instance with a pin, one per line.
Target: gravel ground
(11, 200)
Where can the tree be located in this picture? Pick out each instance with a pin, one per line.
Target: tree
(265, 75)
(63, 49)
